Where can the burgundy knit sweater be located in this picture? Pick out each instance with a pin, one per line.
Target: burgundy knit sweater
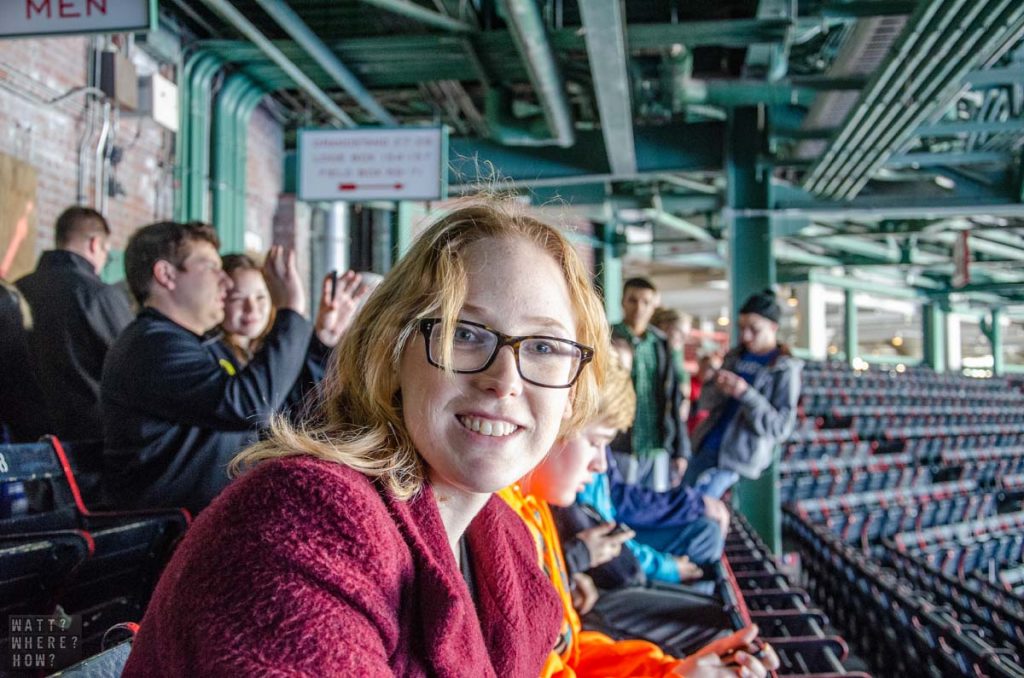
(304, 567)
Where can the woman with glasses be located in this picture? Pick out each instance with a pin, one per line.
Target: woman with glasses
(369, 542)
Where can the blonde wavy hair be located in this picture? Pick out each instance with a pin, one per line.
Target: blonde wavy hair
(617, 406)
(358, 418)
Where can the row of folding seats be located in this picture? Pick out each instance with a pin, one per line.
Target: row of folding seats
(998, 617)
(931, 445)
(992, 471)
(818, 401)
(59, 557)
(899, 629)
(865, 518)
(800, 480)
(755, 590)
(966, 532)
(795, 451)
(831, 371)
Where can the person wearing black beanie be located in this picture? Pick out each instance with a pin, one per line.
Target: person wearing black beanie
(752, 402)
(763, 304)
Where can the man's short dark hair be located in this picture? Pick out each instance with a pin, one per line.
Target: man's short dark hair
(76, 222)
(166, 240)
(638, 284)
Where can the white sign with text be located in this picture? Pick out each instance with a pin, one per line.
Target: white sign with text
(56, 17)
(372, 164)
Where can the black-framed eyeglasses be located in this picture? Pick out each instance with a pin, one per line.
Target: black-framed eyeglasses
(544, 361)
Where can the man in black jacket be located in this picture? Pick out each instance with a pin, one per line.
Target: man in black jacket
(175, 413)
(76, 318)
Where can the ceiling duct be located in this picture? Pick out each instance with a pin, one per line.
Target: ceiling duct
(941, 43)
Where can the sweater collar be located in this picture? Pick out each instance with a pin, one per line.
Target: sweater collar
(498, 565)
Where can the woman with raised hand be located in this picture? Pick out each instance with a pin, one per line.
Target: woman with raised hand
(249, 315)
(372, 544)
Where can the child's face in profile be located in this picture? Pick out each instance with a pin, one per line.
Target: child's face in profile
(570, 465)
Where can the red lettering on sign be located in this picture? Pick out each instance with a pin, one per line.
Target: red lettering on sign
(99, 5)
(64, 6)
(43, 5)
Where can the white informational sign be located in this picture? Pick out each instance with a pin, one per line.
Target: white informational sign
(59, 17)
(372, 164)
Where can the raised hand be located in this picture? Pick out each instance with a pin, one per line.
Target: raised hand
(282, 276)
(337, 310)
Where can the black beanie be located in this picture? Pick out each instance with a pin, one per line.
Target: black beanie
(764, 305)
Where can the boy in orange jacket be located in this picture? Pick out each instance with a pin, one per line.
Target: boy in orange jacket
(582, 653)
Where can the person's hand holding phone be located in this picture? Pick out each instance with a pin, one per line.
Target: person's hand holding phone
(730, 383)
(339, 299)
(604, 541)
(738, 654)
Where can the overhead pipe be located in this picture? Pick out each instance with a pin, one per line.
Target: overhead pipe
(912, 81)
(303, 36)
(101, 153)
(530, 36)
(230, 14)
(235, 104)
(193, 142)
(421, 14)
(995, 20)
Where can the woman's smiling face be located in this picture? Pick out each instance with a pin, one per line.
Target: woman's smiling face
(480, 432)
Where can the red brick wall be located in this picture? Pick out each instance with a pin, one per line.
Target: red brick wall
(47, 136)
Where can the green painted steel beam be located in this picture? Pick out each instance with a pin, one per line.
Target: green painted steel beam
(402, 231)
(751, 269)
(604, 23)
(995, 77)
(949, 159)
(669, 148)
(950, 128)
(725, 33)
(419, 13)
(992, 328)
(609, 269)
(304, 36)
(238, 20)
(856, 9)
(850, 329)
(803, 134)
(933, 320)
(939, 46)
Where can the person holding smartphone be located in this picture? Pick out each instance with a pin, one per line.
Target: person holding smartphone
(751, 403)
(584, 653)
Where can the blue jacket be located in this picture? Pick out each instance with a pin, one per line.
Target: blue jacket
(641, 507)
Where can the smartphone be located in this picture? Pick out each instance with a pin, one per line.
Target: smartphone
(619, 528)
(334, 284)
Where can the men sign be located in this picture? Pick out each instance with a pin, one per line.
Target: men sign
(20, 18)
(372, 164)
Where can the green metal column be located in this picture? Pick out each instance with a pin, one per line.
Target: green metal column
(850, 327)
(993, 329)
(934, 337)
(401, 230)
(751, 269)
(608, 265)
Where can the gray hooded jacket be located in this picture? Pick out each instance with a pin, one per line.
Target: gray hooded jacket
(765, 418)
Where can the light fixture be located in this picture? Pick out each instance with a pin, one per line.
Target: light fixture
(833, 349)
(897, 341)
(723, 321)
(901, 368)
